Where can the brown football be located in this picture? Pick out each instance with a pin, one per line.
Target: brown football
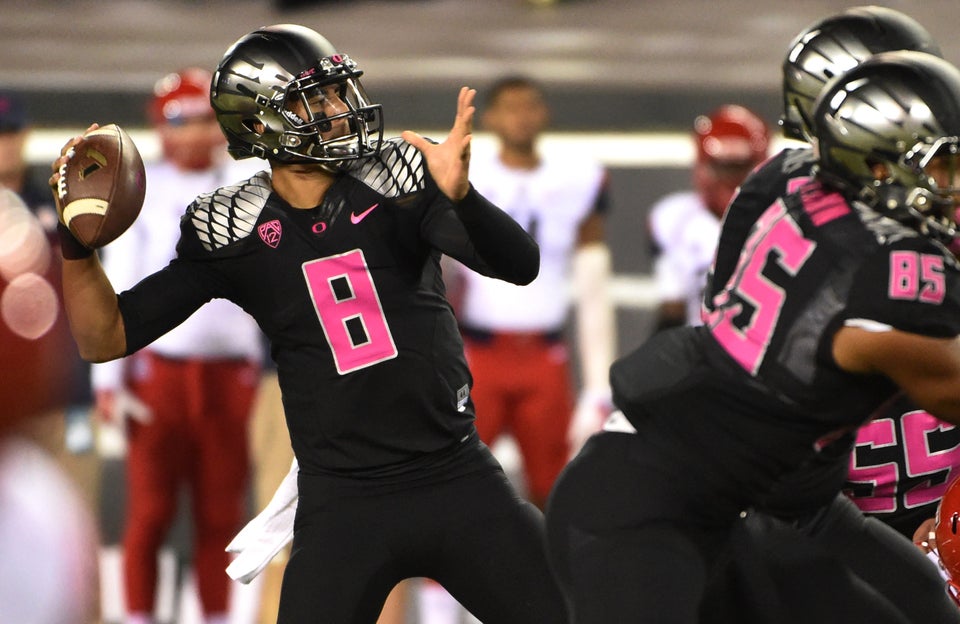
(101, 187)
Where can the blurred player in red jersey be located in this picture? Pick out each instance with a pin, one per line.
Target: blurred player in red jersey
(185, 402)
(684, 226)
(336, 253)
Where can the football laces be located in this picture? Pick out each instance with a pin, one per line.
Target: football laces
(62, 182)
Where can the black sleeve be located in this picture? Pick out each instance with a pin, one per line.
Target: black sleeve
(484, 238)
(912, 285)
(163, 300)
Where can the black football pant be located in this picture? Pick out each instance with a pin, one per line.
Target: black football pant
(633, 542)
(462, 525)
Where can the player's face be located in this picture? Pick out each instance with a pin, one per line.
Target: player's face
(193, 143)
(945, 171)
(324, 102)
(517, 117)
(717, 181)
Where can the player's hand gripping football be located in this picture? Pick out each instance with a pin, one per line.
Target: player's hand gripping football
(99, 184)
(57, 166)
(449, 162)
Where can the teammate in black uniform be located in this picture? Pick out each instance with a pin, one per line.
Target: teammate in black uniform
(335, 252)
(872, 551)
(827, 310)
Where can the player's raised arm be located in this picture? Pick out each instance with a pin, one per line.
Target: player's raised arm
(449, 162)
(88, 297)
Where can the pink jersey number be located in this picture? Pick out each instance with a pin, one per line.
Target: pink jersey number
(916, 276)
(777, 238)
(920, 461)
(349, 310)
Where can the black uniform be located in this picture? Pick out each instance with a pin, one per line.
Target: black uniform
(902, 463)
(724, 412)
(394, 482)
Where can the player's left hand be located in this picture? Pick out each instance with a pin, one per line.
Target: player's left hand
(449, 162)
(925, 537)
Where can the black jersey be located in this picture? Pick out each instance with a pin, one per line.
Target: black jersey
(786, 171)
(350, 295)
(809, 263)
(902, 463)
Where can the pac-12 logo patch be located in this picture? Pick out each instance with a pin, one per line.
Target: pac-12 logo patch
(270, 232)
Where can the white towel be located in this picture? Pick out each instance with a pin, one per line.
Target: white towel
(267, 533)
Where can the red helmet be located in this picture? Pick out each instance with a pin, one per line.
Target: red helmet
(731, 141)
(732, 134)
(181, 95)
(948, 537)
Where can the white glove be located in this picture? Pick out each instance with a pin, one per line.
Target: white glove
(267, 533)
(116, 405)
(592, 409)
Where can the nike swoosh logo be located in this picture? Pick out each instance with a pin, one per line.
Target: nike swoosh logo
(357, 218)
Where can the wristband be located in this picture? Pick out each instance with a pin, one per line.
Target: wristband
(70, 247)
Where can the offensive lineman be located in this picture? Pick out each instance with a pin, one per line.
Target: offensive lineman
(817, 325)
(871, 550)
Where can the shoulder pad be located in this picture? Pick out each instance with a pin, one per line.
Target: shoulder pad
(398, 169)
(229, 213)
(886, 231)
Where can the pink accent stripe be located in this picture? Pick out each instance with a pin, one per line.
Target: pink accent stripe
(824, 208)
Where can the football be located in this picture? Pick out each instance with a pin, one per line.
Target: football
(101, 187)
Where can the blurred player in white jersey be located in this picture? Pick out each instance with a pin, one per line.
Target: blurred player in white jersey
(515, 337)
(186, 401)
(685, 225)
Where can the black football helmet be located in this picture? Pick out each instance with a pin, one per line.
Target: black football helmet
(898, 113)
(833, 45)
(261, 75)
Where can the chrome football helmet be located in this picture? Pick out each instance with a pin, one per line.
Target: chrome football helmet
(888, 133)
(264, 74)
(831, 46)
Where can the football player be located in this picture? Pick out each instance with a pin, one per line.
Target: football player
(684, 226)
(892, 490)
(336, 253)
(515, 337)
(821, 311)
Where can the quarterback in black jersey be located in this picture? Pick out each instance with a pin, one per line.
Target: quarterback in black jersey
(826, 312)
(336, 253)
